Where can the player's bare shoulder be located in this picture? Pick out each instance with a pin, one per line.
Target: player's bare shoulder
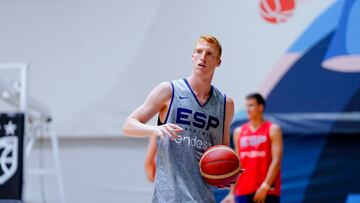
(237, 131)
(275, 130)
(275, 127)
(162, 92)
(165, 87)
(229, 101)
(230, 104)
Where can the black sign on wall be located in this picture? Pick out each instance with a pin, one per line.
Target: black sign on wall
(11, 155)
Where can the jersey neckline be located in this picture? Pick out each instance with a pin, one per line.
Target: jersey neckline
(211, 93)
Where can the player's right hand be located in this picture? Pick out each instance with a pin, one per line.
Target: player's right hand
(169, 130)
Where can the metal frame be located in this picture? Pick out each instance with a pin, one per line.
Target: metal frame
(38, 121)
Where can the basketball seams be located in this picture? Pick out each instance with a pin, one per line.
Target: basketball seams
(230, 162)
(218, 148)
(216, 177)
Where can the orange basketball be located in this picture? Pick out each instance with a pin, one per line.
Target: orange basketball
(220, 166)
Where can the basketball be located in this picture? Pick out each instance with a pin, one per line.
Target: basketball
(220, 166)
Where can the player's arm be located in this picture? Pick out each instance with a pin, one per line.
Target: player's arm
(229, 113)
(158, 99)
(230, 198)
(276, 153)
(150, 165)
(274, 168)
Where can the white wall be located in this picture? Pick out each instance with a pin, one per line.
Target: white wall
(93, 62)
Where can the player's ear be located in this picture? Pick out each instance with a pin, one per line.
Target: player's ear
(219, 62)
(262, 107)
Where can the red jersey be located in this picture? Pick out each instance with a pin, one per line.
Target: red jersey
(255, 157)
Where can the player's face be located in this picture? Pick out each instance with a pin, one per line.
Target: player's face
(253, 108)
(205, 56)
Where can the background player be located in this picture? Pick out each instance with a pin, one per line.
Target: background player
(260, 147)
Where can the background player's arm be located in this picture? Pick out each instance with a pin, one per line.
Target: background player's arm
(230, 198)
(150, 165)
(229, 113)
(276, 154)
(157, 101)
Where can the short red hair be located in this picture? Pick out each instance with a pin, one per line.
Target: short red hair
(211, 39)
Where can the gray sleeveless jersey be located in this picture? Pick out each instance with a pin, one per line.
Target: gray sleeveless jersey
(178, 177)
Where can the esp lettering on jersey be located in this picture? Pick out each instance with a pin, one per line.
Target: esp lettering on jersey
(197, 119)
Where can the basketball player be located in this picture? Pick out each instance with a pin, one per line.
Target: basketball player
(192, 116)
(260, 147)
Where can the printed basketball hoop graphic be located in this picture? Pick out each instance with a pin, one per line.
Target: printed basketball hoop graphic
(276, 11)
(8, 157)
